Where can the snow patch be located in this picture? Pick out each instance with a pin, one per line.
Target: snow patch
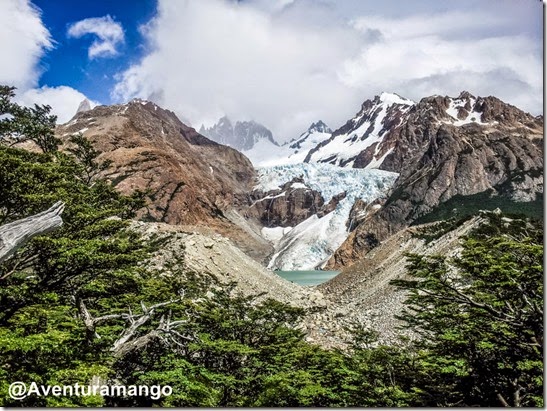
(269, 198)
(298, 185)
(83, 130)
(266, 154)
(392, 98)
(377, 162)
(472, 116)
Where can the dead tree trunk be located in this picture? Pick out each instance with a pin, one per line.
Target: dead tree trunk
(14, 235)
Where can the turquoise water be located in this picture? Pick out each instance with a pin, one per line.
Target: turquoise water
(307, 277)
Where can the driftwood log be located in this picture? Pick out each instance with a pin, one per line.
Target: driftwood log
(14, 235)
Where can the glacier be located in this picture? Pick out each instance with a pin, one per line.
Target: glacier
(311, 243)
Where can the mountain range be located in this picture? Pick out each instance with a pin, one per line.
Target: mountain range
(324, 198)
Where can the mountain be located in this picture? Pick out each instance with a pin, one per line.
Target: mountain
(189, 179)
(85, 105)
(242, 136)
(263, 154)
(435, 159)
(453, 155)
(359, 142)
(314, 135)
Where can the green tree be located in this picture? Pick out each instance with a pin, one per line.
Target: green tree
(42, 335)
(480, 316)
(19, 123)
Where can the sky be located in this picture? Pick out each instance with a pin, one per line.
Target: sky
(283, 63)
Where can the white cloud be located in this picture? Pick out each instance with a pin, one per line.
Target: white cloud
(442, 54)
(109, 35)
(23, 41)
(64, 101)
(217, 57)
(289, 63)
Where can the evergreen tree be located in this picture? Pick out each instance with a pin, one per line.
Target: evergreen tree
(480, 316)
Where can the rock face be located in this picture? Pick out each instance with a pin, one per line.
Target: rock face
(189, 178)
(85, 105)
(286, 207)
(289, 205)
(242, 136)
(462, 150)
(314, 128)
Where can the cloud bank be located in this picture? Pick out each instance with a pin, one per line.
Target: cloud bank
(109, 35)
(288, 63)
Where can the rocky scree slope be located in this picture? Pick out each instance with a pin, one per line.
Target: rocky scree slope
(361, 293)
(203, 252)
(443, 149)
(189, 178)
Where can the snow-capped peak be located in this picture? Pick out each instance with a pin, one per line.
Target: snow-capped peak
(365, 131)
(394, 98)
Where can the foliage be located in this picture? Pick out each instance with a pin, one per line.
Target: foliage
(481, 317)
(21, 123)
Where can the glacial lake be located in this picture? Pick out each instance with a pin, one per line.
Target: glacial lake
(313, 277)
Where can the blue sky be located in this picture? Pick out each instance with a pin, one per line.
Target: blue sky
(283, 63)
(68, 63)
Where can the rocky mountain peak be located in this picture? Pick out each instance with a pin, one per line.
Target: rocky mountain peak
(85, 105)
(319, 127)
(448, 151)
(316, 133)
(189, 179)
(466, 109)
(243, 135)
(347, 145)
(466, 95)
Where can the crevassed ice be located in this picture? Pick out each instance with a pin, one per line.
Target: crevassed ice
(312, 242)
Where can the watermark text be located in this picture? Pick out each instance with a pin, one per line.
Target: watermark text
(19, 390)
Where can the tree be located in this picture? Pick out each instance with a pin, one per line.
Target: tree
(480, 316)
(42, 337)
(19, 123)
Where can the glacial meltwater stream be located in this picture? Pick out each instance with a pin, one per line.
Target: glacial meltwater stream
(312, 277)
